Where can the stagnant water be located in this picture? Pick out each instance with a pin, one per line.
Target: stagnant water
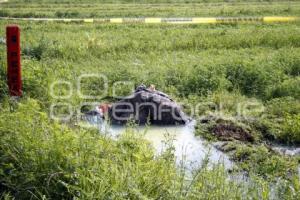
(190, 150)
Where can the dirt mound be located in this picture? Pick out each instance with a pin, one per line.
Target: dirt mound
(230, 131)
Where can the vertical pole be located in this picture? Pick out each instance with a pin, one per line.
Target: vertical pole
(14, 60)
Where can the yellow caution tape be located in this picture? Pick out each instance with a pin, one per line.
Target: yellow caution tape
(116, 20)
(205, 20)
(133, 20)
(102, 20)
(88, 20)
(151, 20)
(156, 20)
(279, 19)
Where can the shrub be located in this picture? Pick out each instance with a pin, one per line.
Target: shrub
(203, 80)
(290, 62)
(33, 154)
(260, 160)
(35, 81)
(252, 79)
(278, 107)
(37, 51)
(289, 87)
(291, 129)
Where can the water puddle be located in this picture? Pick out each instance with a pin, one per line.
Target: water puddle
(190, 150)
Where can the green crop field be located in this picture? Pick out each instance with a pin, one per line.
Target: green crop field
(228, 65)
(160, 8)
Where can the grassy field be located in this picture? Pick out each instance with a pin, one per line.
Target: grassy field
(226, 65)
(93, 8)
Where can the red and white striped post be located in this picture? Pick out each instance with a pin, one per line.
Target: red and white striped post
(14, 76)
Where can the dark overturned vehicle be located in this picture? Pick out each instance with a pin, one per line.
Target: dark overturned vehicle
(144, 106)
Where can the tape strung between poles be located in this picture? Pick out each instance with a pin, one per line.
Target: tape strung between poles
(158, 20)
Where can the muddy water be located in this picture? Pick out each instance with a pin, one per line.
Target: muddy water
(190, 150)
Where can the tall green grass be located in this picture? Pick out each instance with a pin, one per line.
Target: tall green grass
(156, 8)
(228, 64)
(260, 61)
(41, 159)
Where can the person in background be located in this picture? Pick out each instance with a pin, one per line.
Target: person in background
(151, 88)
(102, 109)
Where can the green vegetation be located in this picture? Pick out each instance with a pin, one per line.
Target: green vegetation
(247, 75)
(143, 8)
(246, 137)
(42, 159)
(260, 160)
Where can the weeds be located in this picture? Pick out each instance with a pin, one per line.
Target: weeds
(227, 65)
(42, 159)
